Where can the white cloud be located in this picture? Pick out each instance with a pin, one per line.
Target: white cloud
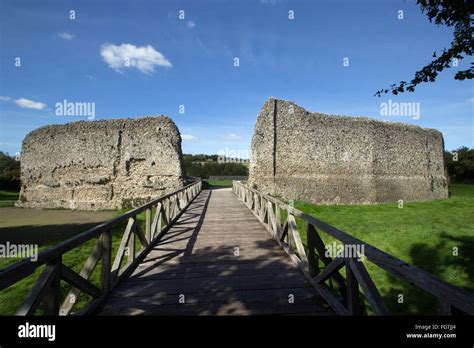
(143, 58)
(66, 36)
(191, 24)
(233, 136)
(470, 101)
(188, 137)
(4, 98)
(29, 104)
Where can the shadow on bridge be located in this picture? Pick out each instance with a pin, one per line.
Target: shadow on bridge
(216, 260)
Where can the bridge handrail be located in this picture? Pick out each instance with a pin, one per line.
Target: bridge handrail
(267, 209)
(168, 209)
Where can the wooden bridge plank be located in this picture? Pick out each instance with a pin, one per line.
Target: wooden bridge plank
(222, 260)
(268, 295)
(197, 272)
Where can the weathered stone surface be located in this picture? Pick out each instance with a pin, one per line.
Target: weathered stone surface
(100, 164)
(330, 159)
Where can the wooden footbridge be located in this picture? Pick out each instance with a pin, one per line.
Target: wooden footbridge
(217, 252)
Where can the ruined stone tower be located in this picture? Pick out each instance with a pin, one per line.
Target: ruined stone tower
(104, 164)
(330, 159)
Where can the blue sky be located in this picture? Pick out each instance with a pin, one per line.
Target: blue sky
(190, 62)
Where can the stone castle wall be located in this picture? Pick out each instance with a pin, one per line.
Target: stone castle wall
(105, 164)
(344, 160)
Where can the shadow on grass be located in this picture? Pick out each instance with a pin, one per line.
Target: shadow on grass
(42, 234)
(434, 259)
(465, 257)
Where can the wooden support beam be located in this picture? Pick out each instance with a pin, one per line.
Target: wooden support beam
(321, 252)
(156, 218)
(52, 294)
(131, 252)
(79, 282)
(293, 231)
(106, 241)
(121, 250)
(165, 215)
(370, 290)
(331, 299)
(32, 300)
(313, 264)
(328, 271)
(86, 272)
(141, 236)
(353, 296)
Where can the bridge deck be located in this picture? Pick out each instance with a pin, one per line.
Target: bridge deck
(218, 260)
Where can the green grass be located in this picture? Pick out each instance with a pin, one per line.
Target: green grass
(8, 198)
(12, 297)
(220, 183)
(424, 234)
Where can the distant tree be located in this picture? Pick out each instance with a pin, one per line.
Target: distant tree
(203, 166)
(451, 13)
(197, 169)
(9, 172)
(460, 165)
(200, 157)
(187, 157)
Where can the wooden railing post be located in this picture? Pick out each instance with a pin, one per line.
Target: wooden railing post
(159, 221)
(295, 236)
(106, 241)
(313, 263)
(53, 291)
(278, 220)
(131, 243)
(353, 297)
(167, 209)
(179, 197)
(265, 218)
(271, 218)
(288, 235)
(148, 225)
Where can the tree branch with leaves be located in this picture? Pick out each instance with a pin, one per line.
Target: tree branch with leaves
(451, 13)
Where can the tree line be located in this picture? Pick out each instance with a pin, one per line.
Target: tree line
(204, 166)
(460, 165)
(9, 173)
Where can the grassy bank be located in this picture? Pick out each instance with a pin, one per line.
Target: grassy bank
(8, 198)
(436, 236)
(220, 183)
